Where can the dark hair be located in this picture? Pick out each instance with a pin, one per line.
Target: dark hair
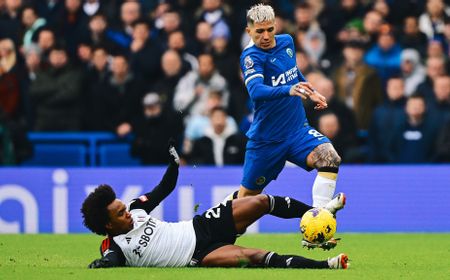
(94, 212)
(218, 109)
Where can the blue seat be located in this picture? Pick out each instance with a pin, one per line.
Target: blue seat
(116, 154)
(58, 155)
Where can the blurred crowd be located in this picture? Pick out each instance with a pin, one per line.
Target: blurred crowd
(161, 69)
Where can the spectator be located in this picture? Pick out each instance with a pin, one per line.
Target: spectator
(346, 117)
(385, 55)
(413, 72)
(225, 61)
(345, 144)
(33, 63)
(203, 35)
(70, 25)
(56, 94)
(435, 68)
(177, 42)
(432, 21)
(213, 13)
(171, 22)
(414, 139)
(10, 22)
(122, 98)
(96, 76)
(11, 82)
(372, 23)
(441, 103)
(197, 125)
(14, 144)
(32, 23)
(46, 41)
(145, 59)
(130, 11)
(154, 130)
(412, 37)
(386, 118)
(357, 84)
(220, 145)
(99, 34)
(49, 8)
(173, 70)
(191, 93)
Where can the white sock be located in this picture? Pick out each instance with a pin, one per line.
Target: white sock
(322, 190)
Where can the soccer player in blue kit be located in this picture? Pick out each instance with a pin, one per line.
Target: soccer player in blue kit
(280, 130)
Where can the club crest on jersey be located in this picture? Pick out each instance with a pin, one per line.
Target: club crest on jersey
(248, 62)
(261, 180)
(290, 52)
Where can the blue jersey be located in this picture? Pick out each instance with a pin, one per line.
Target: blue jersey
(268, 76)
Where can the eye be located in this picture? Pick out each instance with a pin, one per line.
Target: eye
(271, 29)
(259, 31)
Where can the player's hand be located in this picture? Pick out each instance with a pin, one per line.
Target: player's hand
(99, 263)
(174, 157)
(305, 91)
(319, 99)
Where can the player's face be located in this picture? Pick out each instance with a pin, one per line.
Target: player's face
(120, 220)
(262, 34)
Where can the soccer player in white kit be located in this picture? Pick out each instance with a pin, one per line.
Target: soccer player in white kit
(135, 238)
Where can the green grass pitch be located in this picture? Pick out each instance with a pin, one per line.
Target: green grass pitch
(372, 256)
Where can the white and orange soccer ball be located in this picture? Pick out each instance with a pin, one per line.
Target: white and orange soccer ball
(318, 225)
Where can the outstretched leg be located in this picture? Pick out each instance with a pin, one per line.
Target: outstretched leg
(236, 256)
(249, 209)
(326, 160)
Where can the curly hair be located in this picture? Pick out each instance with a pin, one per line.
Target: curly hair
(94, 212)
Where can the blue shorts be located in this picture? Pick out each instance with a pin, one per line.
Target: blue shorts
(265, 160)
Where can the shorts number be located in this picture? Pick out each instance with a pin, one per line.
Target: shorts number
(315, 133)
(214, 212)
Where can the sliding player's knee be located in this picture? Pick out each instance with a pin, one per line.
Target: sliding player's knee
(260, 202)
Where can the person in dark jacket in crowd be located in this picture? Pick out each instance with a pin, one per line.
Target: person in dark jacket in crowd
(56, 94)
(153, 131)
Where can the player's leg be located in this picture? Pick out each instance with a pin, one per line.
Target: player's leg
(326, 160)
(312, 150)
(263, 162)
(236, 256)
(247, 210)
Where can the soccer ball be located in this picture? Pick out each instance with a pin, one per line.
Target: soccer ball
(318, 225)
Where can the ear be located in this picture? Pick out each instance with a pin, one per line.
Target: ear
(108, 226)
(247, 29)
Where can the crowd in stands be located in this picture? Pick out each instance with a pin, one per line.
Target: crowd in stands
(162, 69)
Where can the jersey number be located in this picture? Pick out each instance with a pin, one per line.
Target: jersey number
(315, 133)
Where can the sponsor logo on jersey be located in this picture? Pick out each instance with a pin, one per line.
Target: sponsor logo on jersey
(149, 229)
(290, 52)
(285, 77)
(261, 180)
(128, 239)
(248, 62)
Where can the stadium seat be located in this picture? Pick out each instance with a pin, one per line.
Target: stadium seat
(58, 155)
(116, 154)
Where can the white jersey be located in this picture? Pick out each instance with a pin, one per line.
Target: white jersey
(154, 243)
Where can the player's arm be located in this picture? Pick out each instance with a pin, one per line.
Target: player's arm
(150, 200)
(260, 92)
(112, 255)
(252, 67)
